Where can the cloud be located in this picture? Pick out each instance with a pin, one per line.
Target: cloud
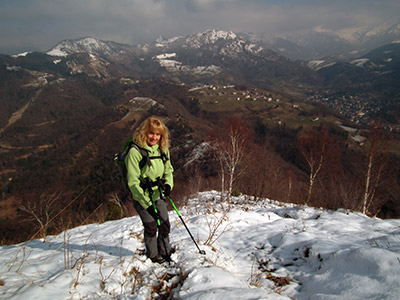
(39, 24)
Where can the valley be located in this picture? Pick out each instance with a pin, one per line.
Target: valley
(60, 134)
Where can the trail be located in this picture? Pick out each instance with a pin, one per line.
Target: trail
(19, 113)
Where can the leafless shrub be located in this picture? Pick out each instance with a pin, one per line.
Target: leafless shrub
(79, 263)
(104, 279)
(255, 277)
(42, 210)
(134, 273)
(216, 230)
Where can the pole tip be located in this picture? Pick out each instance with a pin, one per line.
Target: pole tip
(202, 252)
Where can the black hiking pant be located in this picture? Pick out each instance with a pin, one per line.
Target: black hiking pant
(155, 244)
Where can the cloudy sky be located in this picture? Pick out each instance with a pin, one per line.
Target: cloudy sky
(28, 25)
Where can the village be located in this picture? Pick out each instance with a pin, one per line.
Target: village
(358, 108)
(249, 94)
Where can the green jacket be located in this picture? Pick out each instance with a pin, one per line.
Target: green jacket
(158, 168)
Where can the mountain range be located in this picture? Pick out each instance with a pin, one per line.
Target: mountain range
(67, 111)
(319, 42)
(312, 44)
(338, 67)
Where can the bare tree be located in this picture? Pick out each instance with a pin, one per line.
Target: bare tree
(42, 210)
(318, 149)
(230, 148)
(376, 160)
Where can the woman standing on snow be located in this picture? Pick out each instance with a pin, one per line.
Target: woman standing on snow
(149, 182)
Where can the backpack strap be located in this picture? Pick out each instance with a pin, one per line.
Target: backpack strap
(146, 159)
(145, 155)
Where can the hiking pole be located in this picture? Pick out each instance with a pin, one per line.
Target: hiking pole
(183, 222)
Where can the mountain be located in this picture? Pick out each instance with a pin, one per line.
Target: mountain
(383, 60)
(207, 57)
(318, 43)
(376, 36)
(105, 49)
(227, 55)
(313, 44)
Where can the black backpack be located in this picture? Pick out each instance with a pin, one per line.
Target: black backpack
(119, 158)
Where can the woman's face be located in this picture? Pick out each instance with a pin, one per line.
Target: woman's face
(153, 137)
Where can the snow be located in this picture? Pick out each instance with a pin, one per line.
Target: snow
(258, 250)
(212, 69)
(23, 54)
(319, 64)
(88, 44)
(209, 37)
(177, 66)
(165, 55)
(170, 64)
(315, 63)
(57, 52)
(360, 62)
(198, 152)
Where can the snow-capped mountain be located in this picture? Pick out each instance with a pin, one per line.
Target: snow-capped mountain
(226, 57)
(226, 41)
(374, 37)
(88, 45)
(217, 56)
(212, 52)
(207, 54)
(202, 39)
(218, 42)
(318, 43)
(248, 59)
(313, 44)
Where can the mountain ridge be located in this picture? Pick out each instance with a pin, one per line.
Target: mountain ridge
(317, 42)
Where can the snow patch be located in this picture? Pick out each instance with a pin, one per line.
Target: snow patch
(21, 54)
(57, 52)
(172, 65)
(360, 62)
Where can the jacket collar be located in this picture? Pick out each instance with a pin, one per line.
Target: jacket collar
(152, 148)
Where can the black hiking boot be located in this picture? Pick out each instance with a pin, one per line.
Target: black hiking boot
(168, 256)
(158, 259)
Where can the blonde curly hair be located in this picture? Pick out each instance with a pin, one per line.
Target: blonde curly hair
(156, 124)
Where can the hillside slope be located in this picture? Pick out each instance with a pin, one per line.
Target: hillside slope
(262, 250)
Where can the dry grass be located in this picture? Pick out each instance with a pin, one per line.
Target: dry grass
(8, 207)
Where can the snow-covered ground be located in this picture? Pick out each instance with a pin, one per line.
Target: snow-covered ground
(263, 250)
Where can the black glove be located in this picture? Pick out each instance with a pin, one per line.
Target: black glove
(167, 190)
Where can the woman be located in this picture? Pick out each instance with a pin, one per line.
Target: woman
(148, 183)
